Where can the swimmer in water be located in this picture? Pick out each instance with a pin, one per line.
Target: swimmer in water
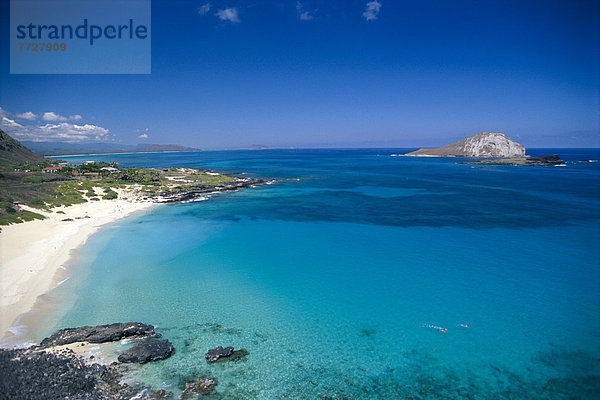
(438, 328)
(463, 325)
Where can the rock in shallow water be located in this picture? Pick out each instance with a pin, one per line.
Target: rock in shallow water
(48, 372)
(160, 394)
(99, 333)
(218, 352)
(227, 353)
(148, 350)
(201, 387)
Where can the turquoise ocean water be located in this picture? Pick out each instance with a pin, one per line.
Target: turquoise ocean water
(335, 283)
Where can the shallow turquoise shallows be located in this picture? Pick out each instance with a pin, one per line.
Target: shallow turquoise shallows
(370, 277)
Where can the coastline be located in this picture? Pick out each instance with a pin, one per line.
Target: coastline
(32, 253)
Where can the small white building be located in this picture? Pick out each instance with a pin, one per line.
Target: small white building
(110, 169)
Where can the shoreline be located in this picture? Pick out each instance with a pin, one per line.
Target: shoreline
(32, 254)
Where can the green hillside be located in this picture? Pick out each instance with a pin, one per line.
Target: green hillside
(13, 152)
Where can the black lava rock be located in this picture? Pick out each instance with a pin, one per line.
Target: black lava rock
(218, 352)
(99, 334)
(148, 350)
(553, 159)
(227, 353)
(42, 373)
(26, 374)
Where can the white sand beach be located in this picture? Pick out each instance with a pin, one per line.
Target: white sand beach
(31, 253)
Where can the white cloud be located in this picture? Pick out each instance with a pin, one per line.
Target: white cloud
(27, 115)
(372, 10)
(9, 123)
(73, 133)
(302, 13)
(305, 16)
(62, 132)
(52, 132)
(51, 116)
(204, 8)
(143, 135)
(228, 14)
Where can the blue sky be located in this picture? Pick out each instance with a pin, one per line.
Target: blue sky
(232, 73)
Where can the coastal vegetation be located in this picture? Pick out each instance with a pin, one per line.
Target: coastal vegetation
(27, 179)
(45, 191)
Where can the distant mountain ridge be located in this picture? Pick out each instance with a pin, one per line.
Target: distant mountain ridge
(258, 147)
(14, 152)
(482, 144)
(163, 147)
(60, 148)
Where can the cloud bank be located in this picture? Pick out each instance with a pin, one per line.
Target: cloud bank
(56, 129)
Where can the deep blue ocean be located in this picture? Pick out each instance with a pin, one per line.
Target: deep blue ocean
(369, 277)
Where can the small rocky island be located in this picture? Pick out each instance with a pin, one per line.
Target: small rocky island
(60, 368)
(494, 147)
(482, 144)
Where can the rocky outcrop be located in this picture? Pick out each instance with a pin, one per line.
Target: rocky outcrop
(30, 374)
(147, 350)
(34, 374)
(482, 144)
(53, 371)
(42, 375)
(227, 353)
(545, 160)
(548, 161)
(183, 195)
(200, 387)
(99, 333)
